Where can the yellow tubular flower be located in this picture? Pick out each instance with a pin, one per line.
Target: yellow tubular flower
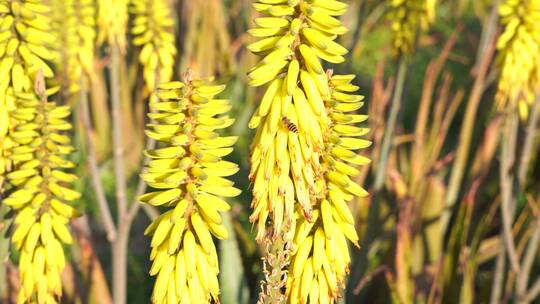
(321, 256)
(4, 124)
(519, 54)
(41, 195)
(24, 37)
(112, 22)
(75, 22)
(291, 119)
(296, 142)
(4, 140)
(189, 172)
(408, 19)
(152, 29)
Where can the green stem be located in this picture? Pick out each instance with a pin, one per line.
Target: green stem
(508, 198)
(528, 261)
(151, 211)
(119, 248)
(101, 198)
(498, 277)
(532, 247)
(276, 262)
(528, 146)
(372, 227)
(533, 292)
(4, 249)
(391, 124)
(468, 126)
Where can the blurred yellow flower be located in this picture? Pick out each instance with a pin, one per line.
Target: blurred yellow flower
(519, 55)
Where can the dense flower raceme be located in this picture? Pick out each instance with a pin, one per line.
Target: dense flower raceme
(4, 142)
(291, 119)
(303, 143)
(321, 256)
(75, 25)
(4, 119)
(188, 171)
(40, 195)
(24, 37)
(519, 57)
(152, 29)
(112, 18)
(408, 19)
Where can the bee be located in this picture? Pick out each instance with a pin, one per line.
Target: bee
(289, 124)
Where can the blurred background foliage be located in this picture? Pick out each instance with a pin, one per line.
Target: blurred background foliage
(426, 237)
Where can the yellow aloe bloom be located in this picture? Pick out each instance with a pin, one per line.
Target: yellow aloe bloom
(519, 55)
(112, 20)
(189, 173)
(36, 149)
(41, 195)
(4, 119)
(291, 118)
(4, 139)
(409, 18)
(304, 140)
(75, 23)
(152, 30)
(24, 38)
(320, 257)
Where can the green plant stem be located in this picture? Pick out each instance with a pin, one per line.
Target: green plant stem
(391, 124)
(233, 283)
(118, 237)
(498, 277)
(508, 199)
(528, 261)
(533, 243)
(533, 292)
(4, 249)
(150, 211)
(119, 247)
(372, 227)
(468, 125)
(528, 146)
(93, 282)
(118, 139)
(103, 205)
(276, 260)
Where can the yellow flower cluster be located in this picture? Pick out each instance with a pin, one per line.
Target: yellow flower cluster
(519, 54)
(408, 19)
(188, 171)
(152, 30)
(304, 141)
(112, 20)
(40, 196)
(291, 119)
(24, 37)
(75, 23)
(321, 256)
